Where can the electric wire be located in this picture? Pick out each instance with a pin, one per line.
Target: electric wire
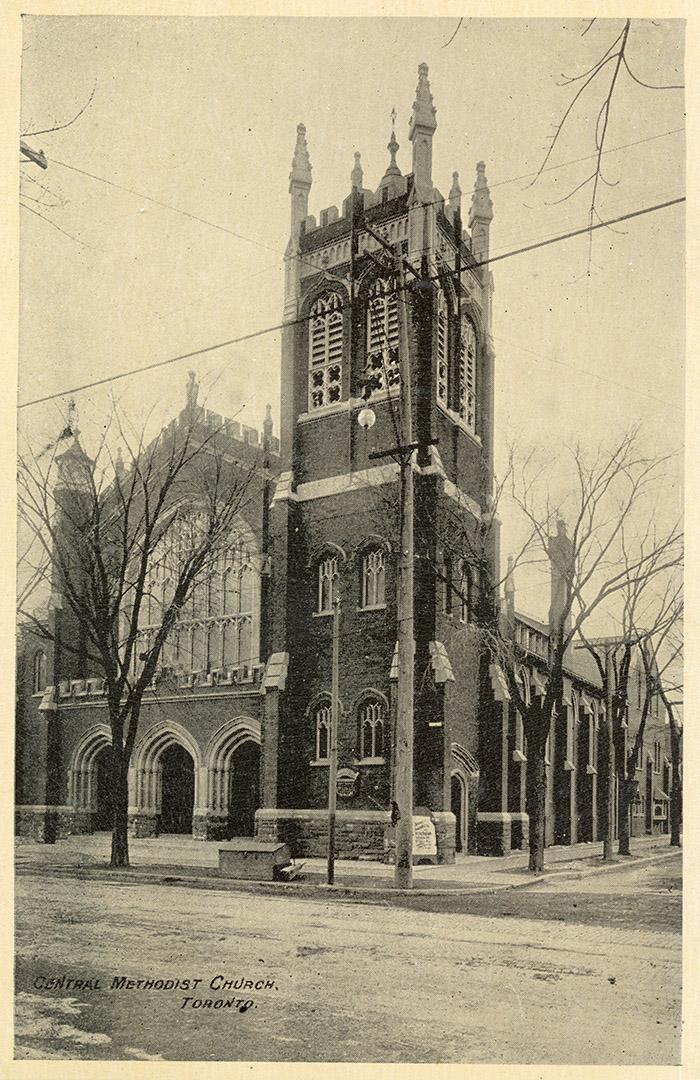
(299, 321)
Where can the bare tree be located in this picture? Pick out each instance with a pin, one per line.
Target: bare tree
(614, 62)
(103, 526)
(595, 563)
(651, 612)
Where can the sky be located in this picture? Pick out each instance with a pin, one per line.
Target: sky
(201, 114)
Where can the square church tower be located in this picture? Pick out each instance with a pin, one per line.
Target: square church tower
(334, 520)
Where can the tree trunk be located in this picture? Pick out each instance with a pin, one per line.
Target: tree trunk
(623, 824)
(120, 835)
(675, 807)
(536, 787)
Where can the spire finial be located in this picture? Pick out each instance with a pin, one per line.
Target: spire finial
(423, 115)
(72, 424)
(481, 208)
(392, 146)
(356, 176)
(420, 131)
(300, 175)
(455, 192)
(192, 390)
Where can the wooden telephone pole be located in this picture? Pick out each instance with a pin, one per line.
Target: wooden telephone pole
(403, 876)
(403, 454)
(333, 738)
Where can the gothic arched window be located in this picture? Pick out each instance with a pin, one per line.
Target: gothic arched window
(443, 363)
(372, 579)
(467, 376)
(382, 368)
(322, 723)
(218, 626)
(39, 672)
(465, 598)
(326, 352)
(327, 582)
(372, 717)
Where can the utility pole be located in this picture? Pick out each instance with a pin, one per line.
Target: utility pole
(610, 809)
(37, 156)
(403, 454)
(403, 878)
(333, 738)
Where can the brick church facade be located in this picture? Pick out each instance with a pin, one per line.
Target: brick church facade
(240, 746)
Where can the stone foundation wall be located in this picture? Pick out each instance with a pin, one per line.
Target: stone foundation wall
(46, 824)
(493, 834)
(142, 825)
(360, 834)
(519, 832)
(445, 832)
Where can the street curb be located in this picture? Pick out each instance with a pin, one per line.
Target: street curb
(627, 863)
(320, 889)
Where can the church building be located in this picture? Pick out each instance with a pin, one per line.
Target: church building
(234, 735)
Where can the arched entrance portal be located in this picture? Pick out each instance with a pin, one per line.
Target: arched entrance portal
(164, 781)
(177, 790)
(244, 789)
(103, 817)
(233, 766)
(458, 806)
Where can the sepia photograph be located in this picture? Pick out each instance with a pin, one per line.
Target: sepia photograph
(349, 669)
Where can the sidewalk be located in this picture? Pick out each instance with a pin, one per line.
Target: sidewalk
(167, 857)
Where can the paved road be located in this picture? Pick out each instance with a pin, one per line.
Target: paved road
(352, 981)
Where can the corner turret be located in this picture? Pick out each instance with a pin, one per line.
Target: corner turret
(420, 132)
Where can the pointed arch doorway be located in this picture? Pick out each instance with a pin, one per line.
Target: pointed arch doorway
(244, 789)
(458, 806)
(177, 790)
(103, 817)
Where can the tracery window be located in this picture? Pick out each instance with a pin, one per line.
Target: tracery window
(327, 582)
(217, 629)
(443, 369)
(467, 383)
(39, 672)
(326, 352)
(372, 718)
(322, 720)
(464, 599)
(382, 366)
(373, 578)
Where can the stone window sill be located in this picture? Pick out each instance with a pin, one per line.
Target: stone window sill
(461, 424)
(372, 607)
(322, 761)
(370, 761)
(321, 614)
(324, 410)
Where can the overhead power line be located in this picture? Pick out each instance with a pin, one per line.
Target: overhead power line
(292, 322)
(301, 258)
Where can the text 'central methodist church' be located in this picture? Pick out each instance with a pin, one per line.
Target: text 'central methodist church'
(234, 736)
